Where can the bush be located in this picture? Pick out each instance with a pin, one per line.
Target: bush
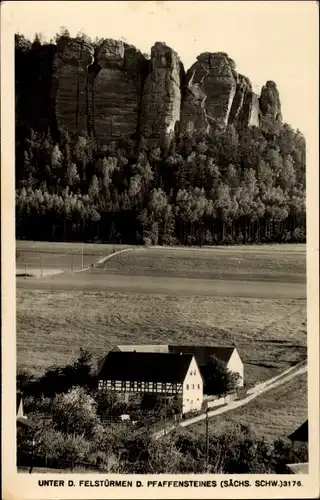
(75, 413)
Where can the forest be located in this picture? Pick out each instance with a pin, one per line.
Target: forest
(229, 187)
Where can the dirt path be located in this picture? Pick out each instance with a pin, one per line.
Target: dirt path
(254, 393)
(102, 260)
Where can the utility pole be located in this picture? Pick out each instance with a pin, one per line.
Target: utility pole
(82, 256)
(207, 441)
(165, 412)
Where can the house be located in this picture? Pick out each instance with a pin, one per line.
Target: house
(300, 435)
(22, 420)
(229, 355)
(154, 373)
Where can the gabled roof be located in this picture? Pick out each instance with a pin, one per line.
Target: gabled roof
(145, 366)
(300, 434)
(18, 400)
(23, 421)
(142, 348)
(299, 468)
(203, 353)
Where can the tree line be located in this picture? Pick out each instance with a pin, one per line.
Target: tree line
(231, 187)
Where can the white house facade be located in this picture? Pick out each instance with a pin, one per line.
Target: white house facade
(192, 390)
(235, 365)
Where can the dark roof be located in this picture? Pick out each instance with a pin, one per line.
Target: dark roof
(145, 366)
(18, 400)
(200, 352)
(301, 434)
(203, 353)
(24, 422)
(142, 348)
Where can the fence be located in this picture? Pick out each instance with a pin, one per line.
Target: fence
(38, 264)
(213, 402)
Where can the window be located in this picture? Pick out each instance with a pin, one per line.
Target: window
(123, 385)
(131, 386)
(198, 386)
(163, 387)
(140, 385)
(101, 384)
(154, 386)
(187, 387)
(113, 384)
(192, 386)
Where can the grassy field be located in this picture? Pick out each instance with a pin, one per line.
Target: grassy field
(63, 256)
(273, 263)
(52, 326)
(270, 333)
(275, 414)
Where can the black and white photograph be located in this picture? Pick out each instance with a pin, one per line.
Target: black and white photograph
(161, 224)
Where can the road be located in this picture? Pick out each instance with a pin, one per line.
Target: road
(94, 281)
(254, 393)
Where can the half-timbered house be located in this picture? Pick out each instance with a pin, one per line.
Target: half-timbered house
(227, 354)
(154, 373)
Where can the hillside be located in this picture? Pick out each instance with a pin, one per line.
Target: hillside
(275, 414)
(118, 146)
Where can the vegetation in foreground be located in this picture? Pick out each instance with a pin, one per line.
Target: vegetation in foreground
(235, 186)
(78, 435)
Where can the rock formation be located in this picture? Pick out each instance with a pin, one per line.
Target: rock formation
(112, 91)
(70, 84)
(115, 93)
(270, 102)
(161, 99)
(212, 80)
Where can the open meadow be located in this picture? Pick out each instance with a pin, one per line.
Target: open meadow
(141, 296)
(34, 256)
(258, 263)
(287, 405)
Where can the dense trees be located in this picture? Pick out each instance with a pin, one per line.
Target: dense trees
(230, 187)
(218, 379)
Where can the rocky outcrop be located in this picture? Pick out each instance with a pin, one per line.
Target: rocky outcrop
(270, 102)
(112, 91)
(161, 98)
(213, 77)
(251, 110)
(115, 91)
(69, 87)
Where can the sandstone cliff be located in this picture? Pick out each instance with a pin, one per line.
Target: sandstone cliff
(115, 92)
(212, 80)
(69, 90)
(270, 102)
(161, 99)
(112, 91)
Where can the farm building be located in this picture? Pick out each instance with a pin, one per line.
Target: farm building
(298, 437)
(22, 420)
(229, 355)
(154, 373)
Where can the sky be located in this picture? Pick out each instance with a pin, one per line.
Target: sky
(270, 40)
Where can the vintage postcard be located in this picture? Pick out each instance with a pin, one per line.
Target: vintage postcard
(160, 246)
